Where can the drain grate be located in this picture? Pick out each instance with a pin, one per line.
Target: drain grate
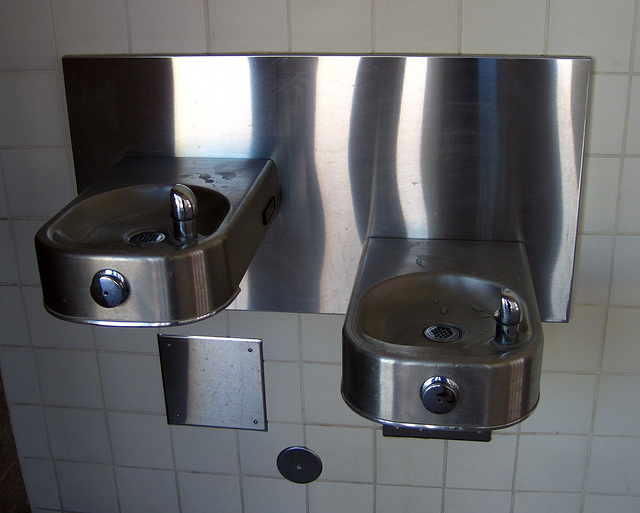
(147, 238)
(443, 332)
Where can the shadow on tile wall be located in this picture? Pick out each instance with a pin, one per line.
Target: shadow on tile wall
(13, 496)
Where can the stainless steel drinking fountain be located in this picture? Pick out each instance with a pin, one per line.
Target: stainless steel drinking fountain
(458, 175)
(157, 242)
(443, 335)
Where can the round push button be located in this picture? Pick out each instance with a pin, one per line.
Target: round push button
(439, 394)
(109, 288)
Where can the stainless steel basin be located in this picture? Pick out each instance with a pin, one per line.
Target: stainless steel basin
(113, 257)
(422, 344)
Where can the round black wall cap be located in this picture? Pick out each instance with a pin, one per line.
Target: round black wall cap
(299, 464)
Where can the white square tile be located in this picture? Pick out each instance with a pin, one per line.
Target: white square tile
(87, 487)
(614, 466)
(37, 181)
(166, 26)
(537, 502)
(25, 36)
(409, 461)
(69, 378)
(133, 340)
(621, 351)
(321, 337)
(416, 26)
(24, 231)
(332, 497)
(617, 503)
(146, 490)
(556, 413)
(346, 453)
(132, 382)
(332, 26)
(265, 495)
(49, 331)
(279, 332)
(551, 463)
(259, 450)
(615, 416)
(199, 492)
(592, 268)
(633, 128)
(40, 481)
(577, 344)
(464, 501)
(266, 30)
(12, 314)
(8, 264)
(607, 114)
(625, 286)
(78, 435)
(282, 385)
(502, 26)
(140, 440)
(601, 30)
(30, 110)
(408, 499)
(203, 449)
(628, 219)
(29, 431)
(482, 465)
(89, 26)
(19, 375)
(323, 403)
(599, 195)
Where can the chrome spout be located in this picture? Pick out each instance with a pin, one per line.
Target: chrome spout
(184, 212)
(508, 317)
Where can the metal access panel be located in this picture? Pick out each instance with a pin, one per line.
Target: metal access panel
(213, 381)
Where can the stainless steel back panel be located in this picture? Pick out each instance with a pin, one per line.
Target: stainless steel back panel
(472, 148)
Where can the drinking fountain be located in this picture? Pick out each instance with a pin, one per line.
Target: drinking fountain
(157, 242)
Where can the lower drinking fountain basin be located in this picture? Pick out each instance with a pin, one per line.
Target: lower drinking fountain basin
(425, 344)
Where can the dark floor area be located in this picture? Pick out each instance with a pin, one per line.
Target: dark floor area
(13, 496)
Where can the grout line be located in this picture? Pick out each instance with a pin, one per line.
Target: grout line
(459, 43)
(373, 44)
(241, 484)
(127, 24)
(445, 455)
(302, 409)
(547, 24)
(515, 468)
(207, 25)
(375, 466)
(289, 36)
(175, 467)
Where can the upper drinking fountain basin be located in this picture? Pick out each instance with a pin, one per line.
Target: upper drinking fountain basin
(159, 241)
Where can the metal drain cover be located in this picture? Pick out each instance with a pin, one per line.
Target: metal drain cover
(443, 332)
(147, 237)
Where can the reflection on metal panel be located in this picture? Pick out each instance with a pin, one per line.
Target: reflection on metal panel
(210, 381)
(468, 148)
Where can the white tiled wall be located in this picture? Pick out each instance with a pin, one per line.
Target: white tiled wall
(86, 403)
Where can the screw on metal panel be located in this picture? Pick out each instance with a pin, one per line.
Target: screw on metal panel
(251, 350)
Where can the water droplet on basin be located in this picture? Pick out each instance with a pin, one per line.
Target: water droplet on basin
(436, 301)
(476, 308)
(444, 310)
